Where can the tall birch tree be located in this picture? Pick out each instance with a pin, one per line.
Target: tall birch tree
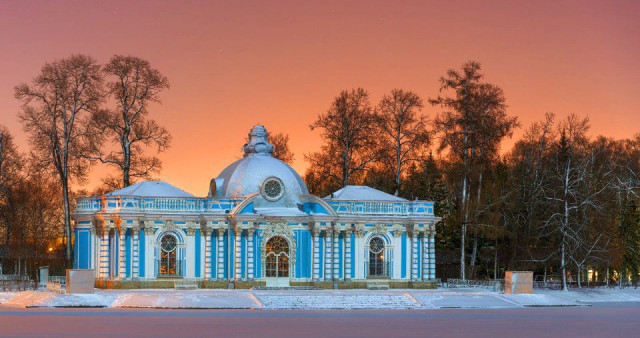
(133, 84)
(404, 133)
(56, 113)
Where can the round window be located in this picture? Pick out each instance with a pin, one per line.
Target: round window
(272, 189)
(168, 243)
(376, 245)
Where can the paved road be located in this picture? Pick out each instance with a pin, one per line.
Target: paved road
(609, 320)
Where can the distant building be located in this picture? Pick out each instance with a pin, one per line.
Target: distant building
(258, 226)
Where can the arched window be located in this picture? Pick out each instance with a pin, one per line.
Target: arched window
(168, 265)
(277, 257)
(377, 262)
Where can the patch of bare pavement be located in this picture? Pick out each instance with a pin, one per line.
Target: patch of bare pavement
(604, 319)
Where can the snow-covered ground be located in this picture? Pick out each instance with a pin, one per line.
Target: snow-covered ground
(317, 299)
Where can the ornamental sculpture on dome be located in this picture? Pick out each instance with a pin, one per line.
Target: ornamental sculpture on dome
(258, 143)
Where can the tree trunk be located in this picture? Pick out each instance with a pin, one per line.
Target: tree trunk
(579, 276)
(474, 253)
(67, 222)
(495, 260)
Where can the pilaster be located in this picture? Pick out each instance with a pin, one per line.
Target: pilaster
(347, 256)
(250, 254)
(122, 252)
(191, 253)
(336, 254)
(135, 252)
(104, 253)
(328, 250)
(238, 257)
(220, 256)
(316, 253)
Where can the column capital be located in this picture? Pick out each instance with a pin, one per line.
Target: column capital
(397, 231)
(149, 231)
(191, 231)
(359, 231)
(250, 232)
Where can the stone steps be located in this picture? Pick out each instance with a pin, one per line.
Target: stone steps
(286, 288)
(338, 302)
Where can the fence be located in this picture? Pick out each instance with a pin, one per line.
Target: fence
(17, 283)
(495, 284)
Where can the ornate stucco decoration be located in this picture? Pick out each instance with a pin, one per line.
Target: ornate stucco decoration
(359, 230)
(397, 230)
(279, 228)
(168, 225)
(380, 228)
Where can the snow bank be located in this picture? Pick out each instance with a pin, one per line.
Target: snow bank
(316, 299)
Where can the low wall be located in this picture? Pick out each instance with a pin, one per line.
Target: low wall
(518, 282)
(80, 280)
(214, 284)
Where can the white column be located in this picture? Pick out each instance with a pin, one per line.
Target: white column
(347, 256)
(316, 254)
(397, 253)
(135, 252)
(95, 251)
(149, 253)
(104, 254)
(327, 255)
(220, 255)
(336, 254)
(415, 263)
(122, 254)
(250, 254)
(425, 256)
(207, 253)
(359, 256)
(191, 253)
(432, 256)
(238, 254)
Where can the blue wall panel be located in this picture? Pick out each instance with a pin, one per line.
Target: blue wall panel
(198, 240)
(128, 249)
(403, 269)
(141, 257)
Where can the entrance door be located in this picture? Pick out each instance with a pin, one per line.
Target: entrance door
(377, 266)
(168, 263)
(277, 262)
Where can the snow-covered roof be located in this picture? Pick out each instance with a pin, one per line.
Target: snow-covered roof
(151, 189)
(279, 212)
(362, 193)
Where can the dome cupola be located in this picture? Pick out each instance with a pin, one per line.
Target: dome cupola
(276, 182)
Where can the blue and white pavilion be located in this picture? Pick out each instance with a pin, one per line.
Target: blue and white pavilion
(259, 225)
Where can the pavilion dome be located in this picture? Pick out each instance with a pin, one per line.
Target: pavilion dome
(276, 182)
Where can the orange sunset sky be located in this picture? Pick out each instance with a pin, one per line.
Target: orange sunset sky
(280, 63)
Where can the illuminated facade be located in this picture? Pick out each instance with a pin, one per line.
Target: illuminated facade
(258, 225)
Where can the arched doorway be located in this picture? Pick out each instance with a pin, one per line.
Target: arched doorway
(168, 266)
(377, 259)
(277, 261)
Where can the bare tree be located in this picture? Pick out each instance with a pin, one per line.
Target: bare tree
(134, 86)
(348, 128)
(281, 148)
(471, 128)
(404, 132)
(11, 163)
(56, 111)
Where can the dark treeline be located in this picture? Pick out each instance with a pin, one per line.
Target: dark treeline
(560, 202)
(76, 113)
